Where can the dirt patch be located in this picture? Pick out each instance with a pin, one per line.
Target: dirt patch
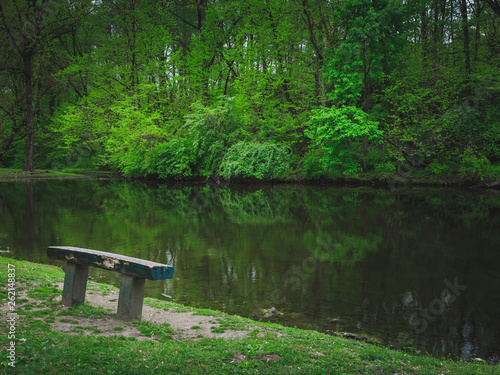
(269, 357)
(186, 325)
(240, 357)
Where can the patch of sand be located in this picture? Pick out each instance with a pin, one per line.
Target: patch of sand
(181, 321)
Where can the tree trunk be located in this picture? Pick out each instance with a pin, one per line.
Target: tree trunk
(323, 80)
(423, 37)
(478, 11)
(437, 42)
(465, 24)
(452, 35)
(29, 116)
(132, 45)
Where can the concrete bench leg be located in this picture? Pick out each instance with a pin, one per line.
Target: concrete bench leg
(75, 284)
(131, 297)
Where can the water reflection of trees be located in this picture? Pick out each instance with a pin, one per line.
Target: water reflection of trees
(259, 207)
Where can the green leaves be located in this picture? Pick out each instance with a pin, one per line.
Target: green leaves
(336, 130)
(197, 150)
(175, 159)
(258, 160)
(213, 131)
(373, 42)
(136, 86)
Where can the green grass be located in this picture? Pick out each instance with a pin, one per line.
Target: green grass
(11, 173)
(18, 174)
(86, 311)
(218, 330)
(44, 292)
(269, 349)
(161, 332)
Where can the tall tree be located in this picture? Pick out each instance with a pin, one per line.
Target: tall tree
(464, 12)
(374, 38)
(30, 26)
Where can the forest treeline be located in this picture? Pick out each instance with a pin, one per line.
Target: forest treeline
(274, 89)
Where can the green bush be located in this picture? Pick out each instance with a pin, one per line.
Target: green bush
(473, 166)
(477, 127)
(437, 168)
(494, 171)
(138, 161)
(212, 130)
(175, 159)
(313, 166)
(258, 160)
(384, 169)
(337, 131)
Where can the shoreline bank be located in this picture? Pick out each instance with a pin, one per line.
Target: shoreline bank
(367, 180)
(173, 337)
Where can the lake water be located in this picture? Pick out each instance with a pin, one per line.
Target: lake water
(414, 269)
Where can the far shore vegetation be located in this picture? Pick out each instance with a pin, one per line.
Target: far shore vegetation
(384, 90)
(362, 179)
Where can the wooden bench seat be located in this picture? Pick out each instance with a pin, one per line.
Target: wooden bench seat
(134, 272)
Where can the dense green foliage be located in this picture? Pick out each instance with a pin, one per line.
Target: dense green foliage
(263, 161)
(336, 129)
(199, 88)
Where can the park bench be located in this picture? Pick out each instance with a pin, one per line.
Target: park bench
(134, 273)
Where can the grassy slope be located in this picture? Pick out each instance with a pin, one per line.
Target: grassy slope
(274, 349)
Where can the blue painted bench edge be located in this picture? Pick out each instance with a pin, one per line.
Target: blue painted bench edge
(112, 262)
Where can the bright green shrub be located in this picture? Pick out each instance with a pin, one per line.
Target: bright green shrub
(137, 162)
(175, 158)
(212, 130)
(438, 168)
(336, 130)
(473, 166)
(258, 160)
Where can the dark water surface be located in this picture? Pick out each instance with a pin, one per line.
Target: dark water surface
(415, 268)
